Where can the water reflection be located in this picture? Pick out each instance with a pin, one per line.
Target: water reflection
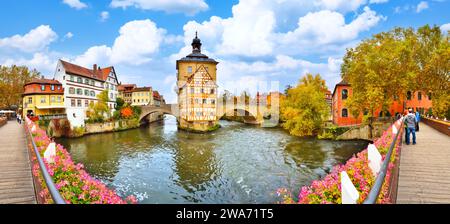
(236, 164)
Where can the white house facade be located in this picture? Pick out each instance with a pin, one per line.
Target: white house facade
(81, 87)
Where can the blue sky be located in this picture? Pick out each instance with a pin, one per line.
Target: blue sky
(255, 41)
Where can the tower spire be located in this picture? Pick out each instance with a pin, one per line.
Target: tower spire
(196, 44)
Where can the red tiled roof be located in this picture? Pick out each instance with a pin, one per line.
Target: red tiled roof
(100, 74)
(123, 87)
(156, 95)
(43, 81)
(141, 89)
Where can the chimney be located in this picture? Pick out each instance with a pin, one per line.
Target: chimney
(95, 68)
(42, 77)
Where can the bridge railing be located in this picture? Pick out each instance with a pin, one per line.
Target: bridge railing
(376, 188)
(46, 176)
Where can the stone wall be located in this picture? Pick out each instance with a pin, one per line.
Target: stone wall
(362, 132)
(111, 126)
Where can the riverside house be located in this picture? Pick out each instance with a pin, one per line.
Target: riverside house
(43, 98)
(81, 87)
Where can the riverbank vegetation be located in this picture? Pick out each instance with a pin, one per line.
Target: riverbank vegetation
(304, 109)
(74, 184)
(384, 68)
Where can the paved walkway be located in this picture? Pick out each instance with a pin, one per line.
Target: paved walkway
(16, 182)
(425, 169)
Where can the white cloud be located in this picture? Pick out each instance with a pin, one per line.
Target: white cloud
(445, 27)
(137, 42)
(35, 40)
(68, 35)
(104, 16)
(326, 27)
(422, 6)
(94, 55)
(77, 4)
(40, 61)
(189, 7)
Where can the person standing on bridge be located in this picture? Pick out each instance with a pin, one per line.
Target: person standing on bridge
(417, 120)
(410, 123)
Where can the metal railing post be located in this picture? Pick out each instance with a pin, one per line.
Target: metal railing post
(376, 188)
(47, 178)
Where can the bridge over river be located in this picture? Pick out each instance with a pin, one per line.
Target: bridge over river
(252, 113)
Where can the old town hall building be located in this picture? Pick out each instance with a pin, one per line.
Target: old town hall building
(197, 90)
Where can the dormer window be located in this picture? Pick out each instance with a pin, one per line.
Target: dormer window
(189, 69)
(52, 87)
(43, 87)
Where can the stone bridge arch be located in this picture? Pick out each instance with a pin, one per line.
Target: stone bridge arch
(250, 114)
(164, 109)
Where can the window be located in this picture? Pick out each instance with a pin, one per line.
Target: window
(213, 101)
(189, 69)
(42, 99)
(92, 93)
(71, 78)
(202, 90)
(79, 91)
(408, 95)
(59, 87)
(79, 80)
(111, 96)
(86, 103)
(72, 90)
(196, 101)
(79, 103)
(344, 113)
(58, 99)
(52, 87)
(419, 96)
(212, 91)
(86, 92)
(344, 94)
(204, 101)
(92, 82)
(42, 87)
(72, 103)
(53, 99)
(199, 114)
(64, 77)
(30, 100)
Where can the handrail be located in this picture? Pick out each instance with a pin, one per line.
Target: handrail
(47, 178)
(375, 191)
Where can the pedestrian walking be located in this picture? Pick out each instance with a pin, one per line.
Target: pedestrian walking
(417, 120)
(410, 123)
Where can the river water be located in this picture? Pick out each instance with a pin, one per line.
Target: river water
(236, 164)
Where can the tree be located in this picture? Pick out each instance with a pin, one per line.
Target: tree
(305, 109)
(390, 64)
(119, 103)
(97, 111)
(12, 80)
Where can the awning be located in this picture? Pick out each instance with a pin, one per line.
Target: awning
(51, 107)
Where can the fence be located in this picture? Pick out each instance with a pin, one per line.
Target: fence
(375, 191)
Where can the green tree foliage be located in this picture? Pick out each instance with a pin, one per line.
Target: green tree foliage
(391, 63)
(305, 109)
(97, 112)
(12, 80)
(119, 103)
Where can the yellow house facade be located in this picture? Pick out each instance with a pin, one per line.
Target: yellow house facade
(43, 97)
(142, 96)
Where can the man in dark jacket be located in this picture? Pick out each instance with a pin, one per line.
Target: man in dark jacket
(410, 123)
